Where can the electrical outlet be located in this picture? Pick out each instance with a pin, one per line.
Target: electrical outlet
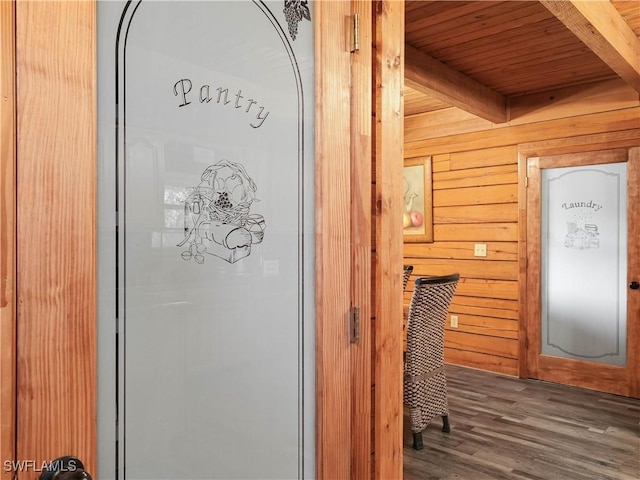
(480, 250)
(454, 321)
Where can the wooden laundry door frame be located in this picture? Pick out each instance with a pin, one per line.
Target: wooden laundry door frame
(48, 336)
(607, 378)
(620, 380)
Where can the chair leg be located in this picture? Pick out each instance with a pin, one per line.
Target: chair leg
(417, 441)
(446, 428)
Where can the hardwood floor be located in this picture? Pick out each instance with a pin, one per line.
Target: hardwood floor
(507, 428)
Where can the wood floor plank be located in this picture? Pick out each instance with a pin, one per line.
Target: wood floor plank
(508, 428)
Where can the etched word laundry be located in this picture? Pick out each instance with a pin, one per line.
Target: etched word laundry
(590, 204)
(183, 89)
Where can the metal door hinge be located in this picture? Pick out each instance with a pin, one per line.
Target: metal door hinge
(354, 324)
(355, 33)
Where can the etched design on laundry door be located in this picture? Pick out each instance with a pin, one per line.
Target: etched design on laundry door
(582, 236)
(582, 231)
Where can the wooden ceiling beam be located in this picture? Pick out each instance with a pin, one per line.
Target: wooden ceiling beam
(427, 75)
(603, 30)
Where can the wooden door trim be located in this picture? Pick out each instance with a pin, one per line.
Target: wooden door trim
(65, 335)
(389, 148)
(536, 158)
(523, 293)
(7, 237)
(361, 244)
(633, 304)
(56, 231)
(333, 249)
(576, 144)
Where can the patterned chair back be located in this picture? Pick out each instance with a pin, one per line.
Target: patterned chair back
(425, 386)
(406, 273)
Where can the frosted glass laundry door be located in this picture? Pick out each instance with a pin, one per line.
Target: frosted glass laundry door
(584, 262)
(206, 239)
(583, 239)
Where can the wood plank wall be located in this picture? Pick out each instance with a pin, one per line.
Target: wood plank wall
(476, 187)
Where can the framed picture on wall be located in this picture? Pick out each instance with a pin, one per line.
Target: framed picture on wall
(417, 215)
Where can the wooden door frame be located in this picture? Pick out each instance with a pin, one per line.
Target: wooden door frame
(360, 138)
(7, 237)
(388, 257)
(342, 369)
(56, 345)
(55, 233)
(572, 145)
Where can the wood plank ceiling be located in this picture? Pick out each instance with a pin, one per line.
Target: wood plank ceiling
(481, 56)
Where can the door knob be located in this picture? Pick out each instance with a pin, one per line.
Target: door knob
(634, 285)
(65, 468)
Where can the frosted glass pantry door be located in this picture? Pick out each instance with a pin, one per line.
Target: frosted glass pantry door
(206, 230)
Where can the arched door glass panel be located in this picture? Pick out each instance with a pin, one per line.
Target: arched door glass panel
(206, 240)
